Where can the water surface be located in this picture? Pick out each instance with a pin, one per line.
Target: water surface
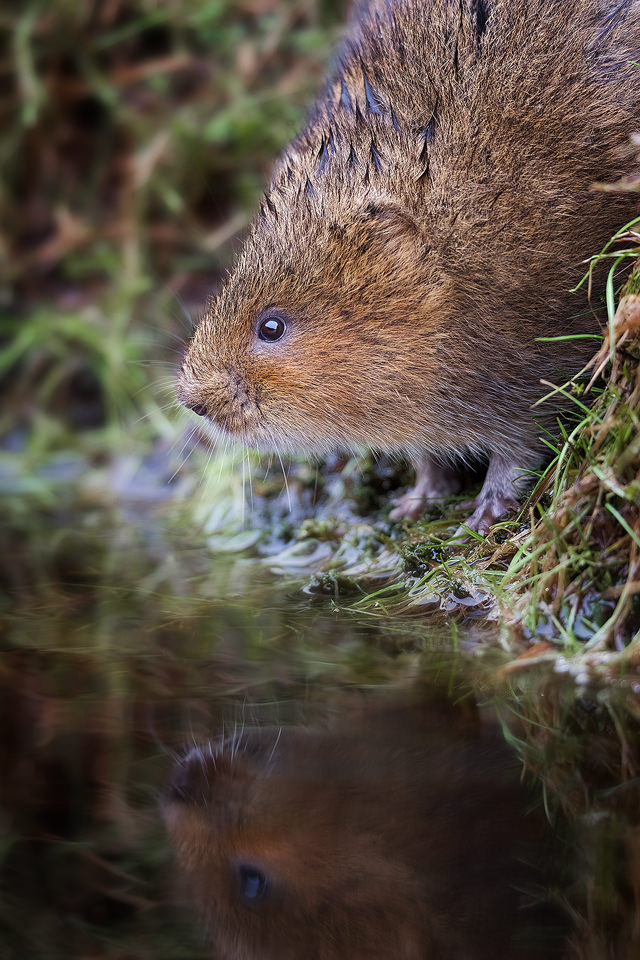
(126, 643)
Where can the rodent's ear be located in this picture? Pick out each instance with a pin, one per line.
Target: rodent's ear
(391, 223)
(385, 211)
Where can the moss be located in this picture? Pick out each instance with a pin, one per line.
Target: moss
(419, 558)
(332, 584)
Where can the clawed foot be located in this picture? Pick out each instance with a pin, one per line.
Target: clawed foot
(434, 481)
(409, 506)
(488, 512)
(503, 484)
(500, 492)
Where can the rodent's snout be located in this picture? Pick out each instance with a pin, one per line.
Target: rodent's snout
(197, 407)
(188, 393)
(192, 777)
(223, 397)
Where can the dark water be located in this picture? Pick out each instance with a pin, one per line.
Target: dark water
(335, 785)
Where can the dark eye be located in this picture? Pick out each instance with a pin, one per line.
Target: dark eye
(271, 329)
(253, 884)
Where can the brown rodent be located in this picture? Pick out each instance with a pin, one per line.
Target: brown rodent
(422, 233)
(400, 839)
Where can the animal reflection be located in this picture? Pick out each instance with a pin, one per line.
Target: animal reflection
(400, 836)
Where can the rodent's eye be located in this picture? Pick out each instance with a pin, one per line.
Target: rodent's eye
(272, 329)
(253, 884)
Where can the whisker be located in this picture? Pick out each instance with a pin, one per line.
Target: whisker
(243, 480)
(212, 442)
(182, 462)
(286, 481)
(171, 405)
(184, 313)
(273, 749)
(248, 451)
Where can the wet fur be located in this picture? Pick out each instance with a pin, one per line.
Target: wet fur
(424, 230)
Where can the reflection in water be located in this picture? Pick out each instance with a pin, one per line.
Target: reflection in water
(585, 747)
(115, 651)
(399, 835)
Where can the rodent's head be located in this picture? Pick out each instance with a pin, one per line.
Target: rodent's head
(357, 839)
(284, 841)
(313, 342)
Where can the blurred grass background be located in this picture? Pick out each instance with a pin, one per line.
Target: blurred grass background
(137, 136)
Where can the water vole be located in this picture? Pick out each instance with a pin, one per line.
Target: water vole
(399, 838)
(420, 236)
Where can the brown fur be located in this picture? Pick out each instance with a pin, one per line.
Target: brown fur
(397, 839)
(423, 231)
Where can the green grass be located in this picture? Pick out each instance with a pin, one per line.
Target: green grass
(578, 569)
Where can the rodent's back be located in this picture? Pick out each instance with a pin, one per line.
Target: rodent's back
(517, 110)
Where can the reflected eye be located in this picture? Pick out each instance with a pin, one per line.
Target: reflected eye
(253, 884)
(271, 329)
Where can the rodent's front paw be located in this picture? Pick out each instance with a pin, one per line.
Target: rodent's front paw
(434, 481)
(409, 506)
(488, 511)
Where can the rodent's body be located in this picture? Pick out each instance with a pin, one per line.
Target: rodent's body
(400, 838)
(423, 232)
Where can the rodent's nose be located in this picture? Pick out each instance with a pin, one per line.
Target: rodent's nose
(198, 408)
(190, 777)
